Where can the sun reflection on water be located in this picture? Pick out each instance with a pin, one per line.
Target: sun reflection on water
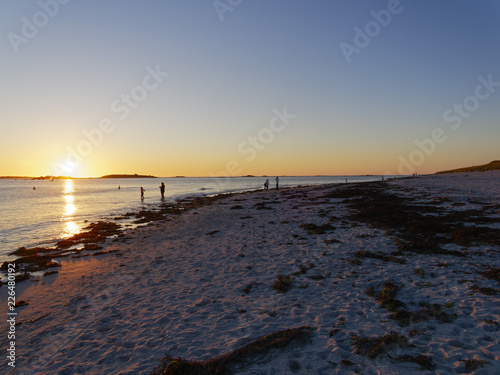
(70, 227)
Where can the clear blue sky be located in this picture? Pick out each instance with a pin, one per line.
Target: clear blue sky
(67, 68)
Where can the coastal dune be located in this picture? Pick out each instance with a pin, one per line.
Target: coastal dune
(393, 277)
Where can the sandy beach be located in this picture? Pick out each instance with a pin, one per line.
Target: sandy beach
(392, 277)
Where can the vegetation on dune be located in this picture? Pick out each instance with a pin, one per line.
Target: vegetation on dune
(491, 166)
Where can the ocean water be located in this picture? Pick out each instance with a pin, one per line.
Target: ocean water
(61, 208)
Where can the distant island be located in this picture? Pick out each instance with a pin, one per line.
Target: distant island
(15, 177)
(52, 178)
(492, 166)
(127, 176)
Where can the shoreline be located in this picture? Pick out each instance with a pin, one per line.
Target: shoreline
(46, 216)
(200, 284)
(96, 232)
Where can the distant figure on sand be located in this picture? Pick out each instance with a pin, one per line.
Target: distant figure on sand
(266, 184)
(277, 182)
(142, 193)
(162, 190)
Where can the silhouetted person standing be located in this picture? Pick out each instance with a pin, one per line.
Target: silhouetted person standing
(162, 190)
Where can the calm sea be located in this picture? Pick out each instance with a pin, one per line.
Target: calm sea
(61, 208)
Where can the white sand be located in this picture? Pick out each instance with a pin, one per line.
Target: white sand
(175, 289)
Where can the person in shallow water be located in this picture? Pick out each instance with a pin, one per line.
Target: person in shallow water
(266, 184)
(162, 190)
(142, 193)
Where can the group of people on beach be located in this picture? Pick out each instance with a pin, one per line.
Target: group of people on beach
(266, 184)
(162, 188)
(162, 191)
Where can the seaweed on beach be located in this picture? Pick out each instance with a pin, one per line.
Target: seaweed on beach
(22, 277)
(386, 298)
(256, 351)
(466, 236)
(473, 364)
(92, 246)
(283, 283)
(419, 228)
(98, 232)
(23, 251)
(382, 257)
(485, 290)
(373, 347)
(145, 216)
(303, 268)
(427, 311)
(317, 229)
(263, 205)
(32, 263)
(492, 274)
(425, 362)
(39, 258)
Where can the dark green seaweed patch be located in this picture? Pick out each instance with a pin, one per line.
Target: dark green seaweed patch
(256, 351)
(420, 228)
(428, 311)
(373, 347)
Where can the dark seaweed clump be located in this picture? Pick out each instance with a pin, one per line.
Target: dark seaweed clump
(317, 229)
(382, 257)
(283, 283)
(473, 364)
(387, 297)
(428, 311)
(31, 263)
(419, 228)
(255, 351)
(98, 232)
(378, 346)
(492, 274)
